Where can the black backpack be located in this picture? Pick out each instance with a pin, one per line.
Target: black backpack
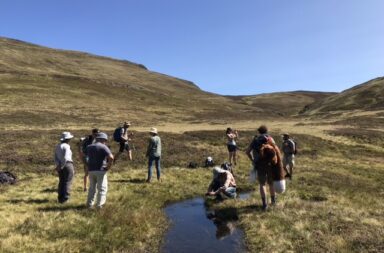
(259, 141)
(86, 142)
(117, 134)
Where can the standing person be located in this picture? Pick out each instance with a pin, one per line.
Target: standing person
(64, 167)
(121, 135)
(232, 136)
(253, 153)
(83, 144)
(100, 161)
(154, 153)
(288, 147)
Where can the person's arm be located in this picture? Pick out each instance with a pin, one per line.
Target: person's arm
(67, 156)
(122, 134)
(57, 162)
(209, 190)
(110, 159)
(248, 152)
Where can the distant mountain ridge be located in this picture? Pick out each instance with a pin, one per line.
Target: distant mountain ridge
(41, 86)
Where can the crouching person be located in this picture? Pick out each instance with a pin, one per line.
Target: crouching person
(222, 185)
(100, 161)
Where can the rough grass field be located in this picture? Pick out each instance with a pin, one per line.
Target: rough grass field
(333, 204)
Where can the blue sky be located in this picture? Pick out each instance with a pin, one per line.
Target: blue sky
(224, 46)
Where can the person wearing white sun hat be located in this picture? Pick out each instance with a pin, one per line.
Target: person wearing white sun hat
(154, 153)
(64, 166)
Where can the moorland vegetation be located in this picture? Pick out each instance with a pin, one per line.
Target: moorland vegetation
(333, 204)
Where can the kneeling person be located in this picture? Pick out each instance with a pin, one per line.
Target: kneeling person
(223, 184)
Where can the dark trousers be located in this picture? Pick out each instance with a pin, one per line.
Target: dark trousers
(157, 165)
(65, 182)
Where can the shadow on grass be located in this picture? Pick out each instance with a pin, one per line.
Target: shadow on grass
(28, 201)
(132, 181)
(62, 208)
(49, 190)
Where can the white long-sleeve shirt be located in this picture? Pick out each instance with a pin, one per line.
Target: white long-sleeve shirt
(63, 154)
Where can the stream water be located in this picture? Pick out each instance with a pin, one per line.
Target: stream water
(195, 228)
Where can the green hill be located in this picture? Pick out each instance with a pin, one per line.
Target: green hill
(367, 96)
(285, 103)
(51, 88)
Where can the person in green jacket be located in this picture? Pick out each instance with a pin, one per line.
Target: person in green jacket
(154, 153)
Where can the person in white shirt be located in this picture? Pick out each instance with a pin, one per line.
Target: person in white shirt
(64, 167)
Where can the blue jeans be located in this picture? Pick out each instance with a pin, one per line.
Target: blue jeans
(230, 192)
(157, 164)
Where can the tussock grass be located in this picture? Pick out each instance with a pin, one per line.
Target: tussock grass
(333, 204)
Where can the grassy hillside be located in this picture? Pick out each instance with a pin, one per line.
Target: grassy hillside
(333, 204)
(285, 103)
(76, 89)
(367, 96)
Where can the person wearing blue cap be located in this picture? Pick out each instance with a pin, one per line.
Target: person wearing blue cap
(100, 161)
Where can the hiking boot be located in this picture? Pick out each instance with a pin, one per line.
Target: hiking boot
(264, 208)
(148, 180)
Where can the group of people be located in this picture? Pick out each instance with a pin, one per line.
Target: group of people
(98, 159)
(267, 162)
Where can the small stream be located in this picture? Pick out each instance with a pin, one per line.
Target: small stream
(195, 228)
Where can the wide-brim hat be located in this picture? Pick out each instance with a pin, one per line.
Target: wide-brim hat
(217, 170)
(153, 130)
(66, 136)
(285, 134)
(127, 123)
(102, 135)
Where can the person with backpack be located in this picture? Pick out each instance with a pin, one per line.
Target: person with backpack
(83, 144)
(263, 175)
(232, 136)
(122, 137)
(100, 161)
(154, 154)
(289, 149)
(64, 167)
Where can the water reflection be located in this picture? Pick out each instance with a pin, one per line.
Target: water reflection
(196, 227)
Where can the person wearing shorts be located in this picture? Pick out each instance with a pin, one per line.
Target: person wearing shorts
(124, 142)
(253, 154)
(232, 136)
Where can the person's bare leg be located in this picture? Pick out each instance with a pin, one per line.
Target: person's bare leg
(272, 193)
(263, 196)
(234, 157)
(85, 177)
(129, 153)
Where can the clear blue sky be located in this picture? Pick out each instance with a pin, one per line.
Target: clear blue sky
(224, 46)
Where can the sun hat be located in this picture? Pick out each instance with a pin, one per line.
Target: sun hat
(66, 136)
(102, 135)
(285, 134)
(217, 170)
(153, 130)
(127, 123)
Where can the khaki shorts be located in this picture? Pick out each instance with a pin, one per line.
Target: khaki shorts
(289, 160)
